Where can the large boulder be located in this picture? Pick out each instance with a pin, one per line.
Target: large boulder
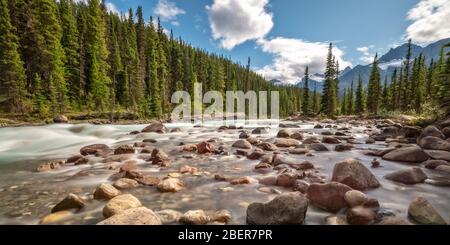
(355, 198)
(412, 131)
(105, 191)
(61, 119)
(407, 154)
(119, 204)
(71, 201)
(329, 197)
(283, 133)
(156, 127)
(408, 176)
(242, 144)
(205, 147)
(431, 131)
(439, 155)
(133, 216)
(354, 174)
(285, 209)
(267, 146)
(434, 143)
(421, 210)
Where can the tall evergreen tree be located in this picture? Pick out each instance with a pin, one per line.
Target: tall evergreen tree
(359, 103)
(407, 95)
(305, 106)
(329, 101)
(12, 73)
(351, 100)
(394, 98)
(373, 90)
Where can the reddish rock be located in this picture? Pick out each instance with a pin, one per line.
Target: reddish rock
(408, 176)
(97, 149)
(148, 180)
(432, 164)
(329, 197)
(360, 216)
(354, 174)
(124, 149)
(330, 140)
(72, 201)
(268, 146)
(74, 158)
(407, 154)
(105, 191)
(189, 148)
(156, 127)
(205, 147)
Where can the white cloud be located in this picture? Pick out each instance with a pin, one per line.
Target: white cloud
(112, 8)
(291, 56)
(367, 53)
(430, 21)
(236, 21)
(168, 11)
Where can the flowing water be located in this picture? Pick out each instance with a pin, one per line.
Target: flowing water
(26, 195)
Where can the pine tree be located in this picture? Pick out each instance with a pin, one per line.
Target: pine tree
(329, 101)
(305, 105)
(97, 59)
(394, 98)
(359, 103)
(373, 90)
(444, 85)
(344, 103)
(51, 53)
(384, 103)
(12, 73)
(351, 106)
(407, 95)
(70, 43)
(315, 106)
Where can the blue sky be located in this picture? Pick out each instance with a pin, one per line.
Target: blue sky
(283, 36)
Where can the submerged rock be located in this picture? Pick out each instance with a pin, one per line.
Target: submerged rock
(50, 166)
(285, 209)
(267, 146)
(170, 185)
(354, 174)
(55, 217)
(421, 210)
(71, 201)
(205, 147)
(133, 216)
(195, 217)
(282, 142)
(283, 133)
(96, 149)
(432, 164)
(169, 216)
(124, 149)
(329, 197)
(408, 176)
(124, 183)
(242, 144)
(318, 147)
(434, 143)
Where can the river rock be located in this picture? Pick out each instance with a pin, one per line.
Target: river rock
(267, 146)
(299, 151)
(195, 217)
(242, 144)
(55, 217)
(287, 178)
(50, 166)
(301, 186)
(407, 154)
(71, 201)
(329, 197)
(124, 183)
(431, 131)
(169, 216)
(148, 180)
(360, 216)
(330, 140)
(412, 131)
(61, 119)
(260, 130)
(105, 191)
(205, 147)
(370, 140)
(253, 140)
(81, 161)
(268, 180)
(255, 155)
(156, 127)
(221, 216)
(133, 216)
(160, 158)
(311, 140)
(393, 220)
(408, 176)
(242, 181)
(170, 185)
(434, 143)
(354, 174)
(263, 167)
(96, 149)
(446, 132)
(245, 135)
(355, 198)
(318, 126)
(284, 143)
(335, 220)
(189, 148)
(439, 155)
(343, 147)
(285, 209)
(75, 158)
(124, 149)
(375, 163)
(432, 164)
(421, 210)
(119, 204)
(443, 168)
(318, 147)
(188, 169)
(283, 133)
(297, 136)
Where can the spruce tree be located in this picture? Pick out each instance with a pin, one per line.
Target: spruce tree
(407, 95)
(351, 100)
(394, 98)
(444, 85)
(384, 103)
(305, 105)
(373, 90)
(344, 103)
(12, 73)
(359, 103)
(329, 101)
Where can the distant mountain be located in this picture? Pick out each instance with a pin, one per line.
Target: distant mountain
(387, 64)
